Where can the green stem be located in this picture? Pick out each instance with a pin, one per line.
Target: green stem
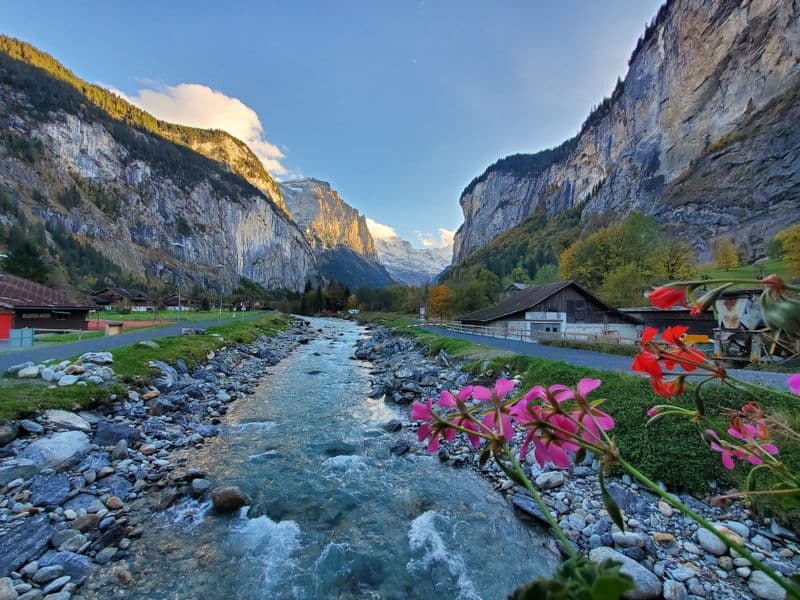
(568, 548)
(790, 588)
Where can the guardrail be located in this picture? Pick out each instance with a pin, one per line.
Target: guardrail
(523, 335)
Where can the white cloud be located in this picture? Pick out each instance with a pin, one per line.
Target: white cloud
(429, 240)
(380, 231)
(198, 105)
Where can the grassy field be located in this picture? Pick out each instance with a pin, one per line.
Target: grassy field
(61, 338)
(168, 315)
(606, 348)
(131, 366)
(671, 450)
(754, 271)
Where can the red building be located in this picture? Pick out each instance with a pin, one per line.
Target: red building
(25, 303)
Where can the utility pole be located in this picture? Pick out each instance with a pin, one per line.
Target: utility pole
(221, 286)
(180, 279)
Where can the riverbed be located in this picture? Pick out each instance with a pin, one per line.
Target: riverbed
(334, 514)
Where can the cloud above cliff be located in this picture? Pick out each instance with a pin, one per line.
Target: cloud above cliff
(380, 231)
(198, 105)
(443, 240)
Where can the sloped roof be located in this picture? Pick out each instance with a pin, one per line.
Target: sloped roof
(16, 292)
(528, 298)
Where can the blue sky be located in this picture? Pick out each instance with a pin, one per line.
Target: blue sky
(398, 104)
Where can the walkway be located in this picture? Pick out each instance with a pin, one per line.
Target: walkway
(101, 344)
(594, 360)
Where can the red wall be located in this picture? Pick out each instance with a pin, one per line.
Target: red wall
(5, 325)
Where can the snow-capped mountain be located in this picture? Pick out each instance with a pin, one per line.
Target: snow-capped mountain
(405, 263)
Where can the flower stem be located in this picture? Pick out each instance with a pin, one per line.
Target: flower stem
(791, 589)
(517, 468)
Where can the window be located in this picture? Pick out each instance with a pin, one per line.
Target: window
(580, 310)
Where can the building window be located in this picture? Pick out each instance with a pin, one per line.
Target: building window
(580, 310)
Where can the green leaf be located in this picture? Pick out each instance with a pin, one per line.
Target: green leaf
(611, 505)
(510, 473)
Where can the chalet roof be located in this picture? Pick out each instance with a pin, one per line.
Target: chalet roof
(528, 298)
(517, 286)
(121, 292)
(16, 292)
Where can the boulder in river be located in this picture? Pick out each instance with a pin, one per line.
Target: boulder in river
(55, 449)
(23, 542)
(65, 419)
(228, 499)
(647, 584)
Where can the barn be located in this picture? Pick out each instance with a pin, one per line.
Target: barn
(563, 307)
(27, 304)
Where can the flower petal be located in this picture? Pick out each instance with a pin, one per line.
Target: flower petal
(503, 387)
(586, 386)
(794, 384)
(446, 399)
(481, 393)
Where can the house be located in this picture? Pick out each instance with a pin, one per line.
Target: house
(170, 302)
(513, 288)
(562, 307)
(27, 304)
(661, 318)
(122, 298)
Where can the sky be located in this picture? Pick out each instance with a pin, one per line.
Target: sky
(398, 104)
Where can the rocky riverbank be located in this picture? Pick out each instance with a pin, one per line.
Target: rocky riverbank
(661, 549)
(76, 487)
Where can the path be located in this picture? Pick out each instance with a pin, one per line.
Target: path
(595, 360)
(102, 344)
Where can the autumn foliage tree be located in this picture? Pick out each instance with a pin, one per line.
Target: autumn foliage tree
(439, 301)
(725, 254)
(789, 240)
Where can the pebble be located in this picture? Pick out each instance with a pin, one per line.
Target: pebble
(710, 543)
(763, 587)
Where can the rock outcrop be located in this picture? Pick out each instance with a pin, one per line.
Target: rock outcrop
(701, 134)
(339, 234)
(94, 169)
(410, 265)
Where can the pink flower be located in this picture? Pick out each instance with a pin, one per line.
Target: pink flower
(465, 393)
(468, 423)
(497, 419)
(727, 459)
(549, 444)
(446, 399)
(794, 384)
(432, 427)
(501, 388)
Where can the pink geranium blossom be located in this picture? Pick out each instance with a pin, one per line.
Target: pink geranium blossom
(794, 384)
(433, 427)
(497, 419)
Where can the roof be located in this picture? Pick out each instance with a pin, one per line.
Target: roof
(518, 286)
(121, 292)
(528, 298)
(16, 292)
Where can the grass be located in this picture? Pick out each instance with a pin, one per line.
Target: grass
(168, 315)
(131, 364)
(604, 347)
(670, 450)
(754, 271)
(61, 338)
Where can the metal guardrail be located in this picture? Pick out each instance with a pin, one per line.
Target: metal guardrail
(524, 335)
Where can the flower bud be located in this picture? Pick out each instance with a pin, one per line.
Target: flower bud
(707, 300)
(780, 312)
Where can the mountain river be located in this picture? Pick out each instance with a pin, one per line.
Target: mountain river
(334, 514)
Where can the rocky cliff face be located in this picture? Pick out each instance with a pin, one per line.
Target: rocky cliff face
(133, 195)
(339, 234)
(702, 134)
(410, 265)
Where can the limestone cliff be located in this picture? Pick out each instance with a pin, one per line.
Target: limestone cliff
(121, 186)
(337, 231)
(702, 134)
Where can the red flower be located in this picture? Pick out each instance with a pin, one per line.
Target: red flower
(672, 335)
(647, 362)
(665, 297)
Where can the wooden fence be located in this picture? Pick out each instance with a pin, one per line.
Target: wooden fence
(523, 335)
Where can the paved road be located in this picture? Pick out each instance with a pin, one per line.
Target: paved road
(595, 360)
(101, 344)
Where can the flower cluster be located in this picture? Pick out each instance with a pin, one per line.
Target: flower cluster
(658, 360)
(556, 420)
(748, 429)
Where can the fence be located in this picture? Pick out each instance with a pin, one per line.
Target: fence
(524, 335)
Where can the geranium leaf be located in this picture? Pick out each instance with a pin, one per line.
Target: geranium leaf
(611, 505)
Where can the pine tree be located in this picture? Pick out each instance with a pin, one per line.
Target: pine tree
(25, 259)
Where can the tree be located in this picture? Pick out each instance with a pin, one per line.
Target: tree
(790, 247)
(725, 254)
(519, 275)
(439, 301)
(546, 274)
(24, 258)
(675, 261)
(624, 286)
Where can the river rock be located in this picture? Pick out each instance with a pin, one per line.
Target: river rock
(710, 543)
(200, 487)
(8, 433)
(109, 433)
(75, 370)
(48, 573)
(77, 566)
(167, 376)
(399, 448)
(114, 503)
(68, 380)
(647, 584)
(67, 420)
(550, 479)
(763, 587)
(55, 449)
(394, 425)
(228, 499)
(674, 590)
(55, 585)
(23, 542)
(19, 367)
(20, 468)
(31, 372)
(48, 374)
(31, 426)
(7, 591)
(524, 503)
(120, 451)
(98, 358)
(50, 490)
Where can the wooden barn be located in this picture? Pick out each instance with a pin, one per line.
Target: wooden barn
(27, 304)
(562, 307)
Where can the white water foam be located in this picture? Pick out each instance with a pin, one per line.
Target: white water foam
(253, 426)
(344, 466)
(267, 543)
(424, 537)
(186, 514)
